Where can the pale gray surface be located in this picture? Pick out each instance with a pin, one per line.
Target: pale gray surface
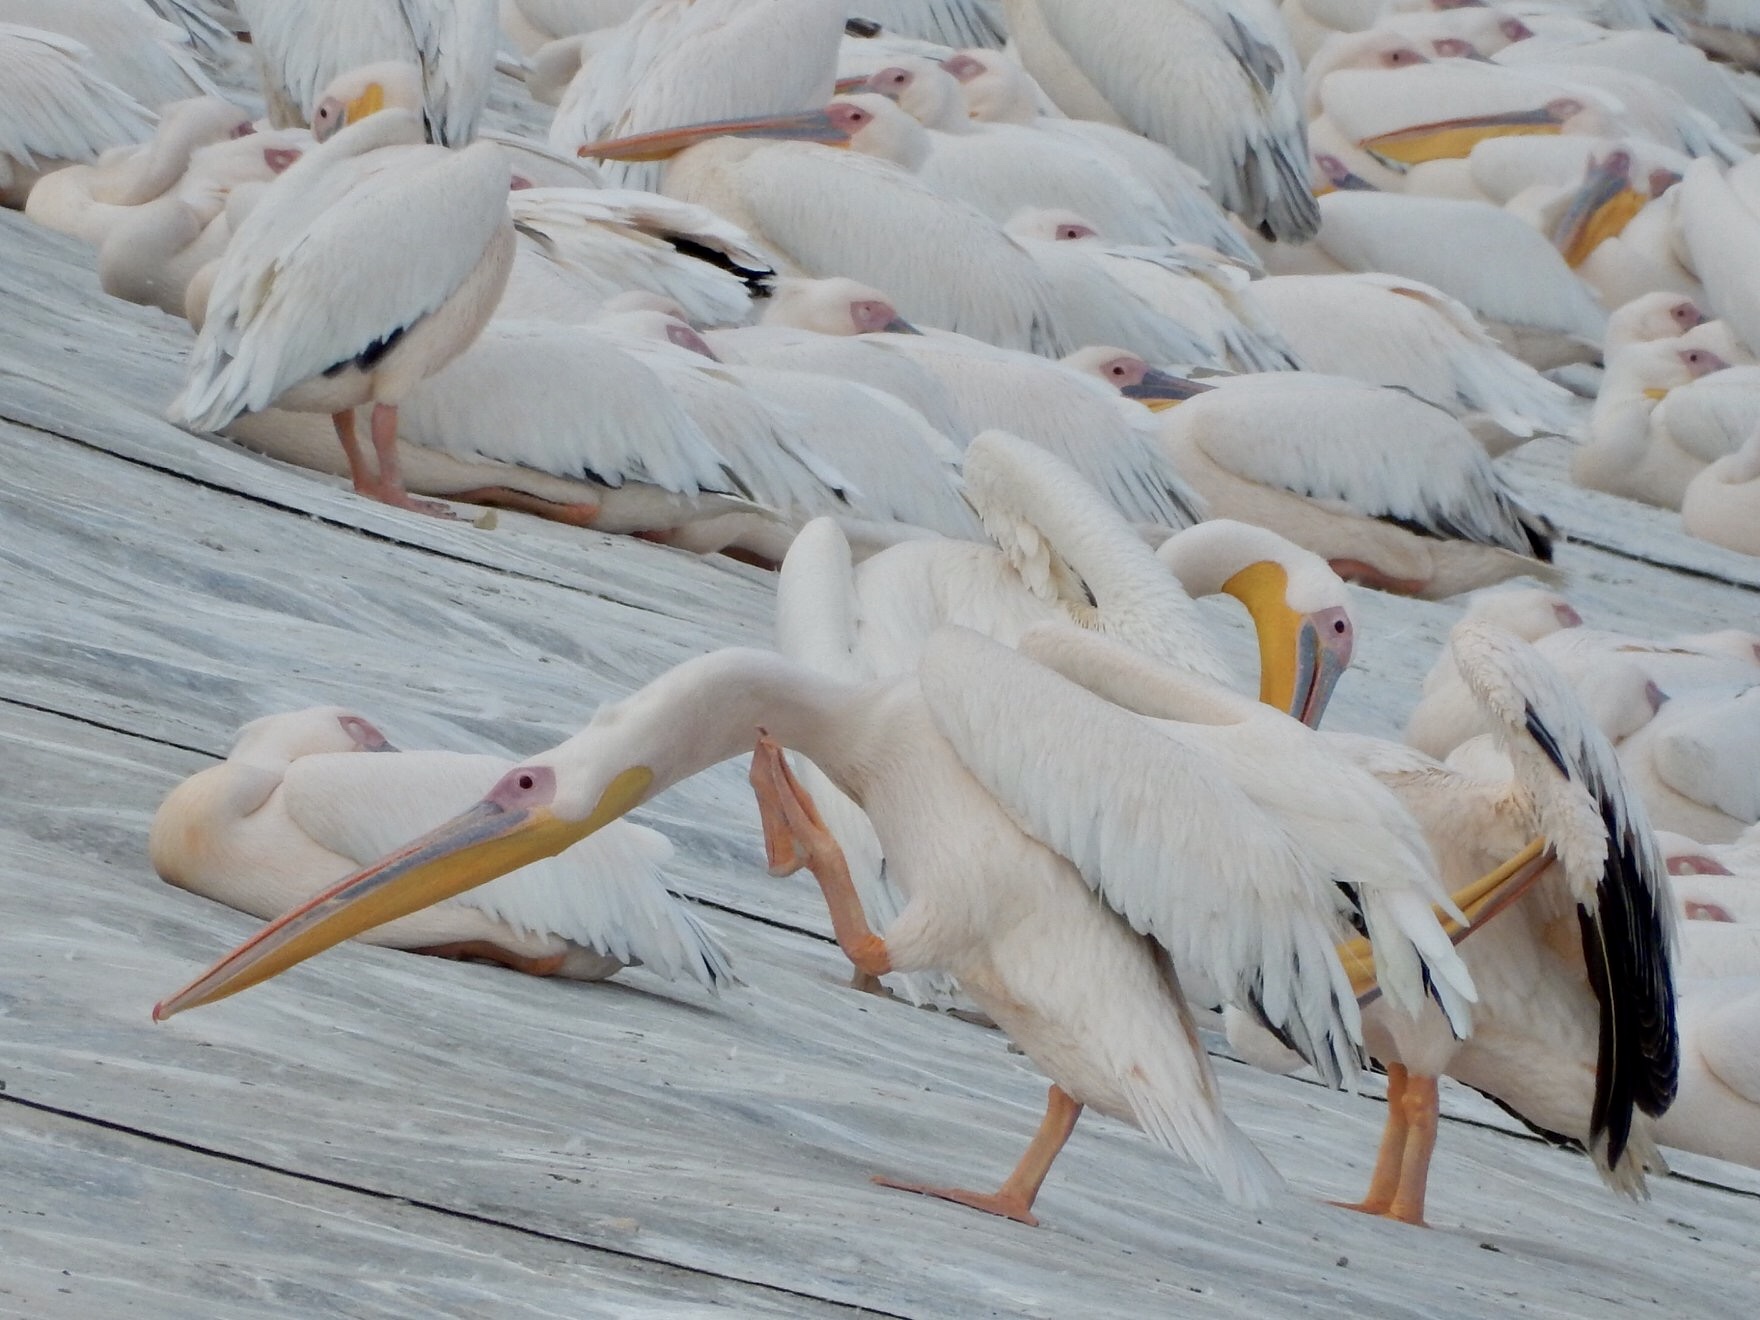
(641, 1149)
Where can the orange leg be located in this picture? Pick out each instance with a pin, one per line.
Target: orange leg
(1014, 1199)
(1414, 1173)
(484, 951)
(389, 489)
(1384, 1182)
(795, 836)
(365, 480)
(505, 497)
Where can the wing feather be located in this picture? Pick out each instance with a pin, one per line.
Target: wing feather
(57, 105)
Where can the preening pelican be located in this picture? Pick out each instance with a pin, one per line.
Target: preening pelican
(301, 48)
(945, 766)
(1392, 492)
(1574, 1029)
(57, 109)
(292, 808)
(323, 302)
(1218, 84)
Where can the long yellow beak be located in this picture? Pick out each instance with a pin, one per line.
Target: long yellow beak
(469, 850)
(1160, 390)
(1601, 209)
(370, 102)
(1301, 656)
(810, 126)
(1478, 902)
(1452, 139)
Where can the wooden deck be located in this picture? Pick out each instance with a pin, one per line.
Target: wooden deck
(381, 1135)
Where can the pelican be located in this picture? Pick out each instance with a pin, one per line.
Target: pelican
(57, 110)
(1722, 503)
(1618, 228)
(1657, 315)
(947, 22)
(301, 48)
(134, 50)
(1393, 493)
(691, 61)
(1719, 221)
(1034, 918)
(996, 90)
(296, 317)
(1697, 763)
(1689, 857)
(1059, 553)
(533, 24)
(1391, 331)
(859, 213)
(1717, 1109)
(293, 807)
(1631, 449)
(1506, 273)
(1574, 1030)
(1218, 84)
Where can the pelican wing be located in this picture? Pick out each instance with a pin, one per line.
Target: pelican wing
(1219, 83)
(336, 262)
(1181, 853)
(605, 892)
(1710, 752)
(455, 43)
(1602, 837)
(563, 400)
(1719, 232)
(301, 47)
(943, 263)
(817, 617)
(1380, 452)
(57, 105)
(953, 23)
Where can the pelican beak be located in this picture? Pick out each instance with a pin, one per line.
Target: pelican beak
(1656, 392)
(1301, 656)
(809, 126)
(845, 86)
(370, 102)
(1601, 209)
(1451, 139)
(1472, 907)
(487, 841)
(1160, 390)
(899, 326)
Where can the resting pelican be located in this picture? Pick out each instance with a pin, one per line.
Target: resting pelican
(302, 312)
(1218, 84)
(1631, 450)
(1035, 918)
(1717, 1109)
(1722, 503)
(291, 809)
(1658, 315)
(690, 61)
(301, 48)
(56, 110)
(1393, 493)
(1689, 857)
(1574, 1030)
(1698, 763)
(1059, 553)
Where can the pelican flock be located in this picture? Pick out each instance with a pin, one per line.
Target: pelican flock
(996, 338)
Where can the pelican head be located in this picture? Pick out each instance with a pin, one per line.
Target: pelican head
(535, 811)
(281, 739)
(995, 88)
(1655, 368)
(924, 90)
(364, 91)
(1659, 315)
(1134, 378)
(836, 306)
(1299, 606)
(1529, 612)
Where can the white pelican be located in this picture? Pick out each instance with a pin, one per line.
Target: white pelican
(1631, 449)
(1218, 84)
(1657, 315)
(1574, 1030)
(1505, 272)
(860, 213)
(130, 47)
(1722, 503)
(1698, 763)
(56, 110)
(1201, 290)
(1034, 918)
(1617, 228)
(292, 808)
(1393, 493)
(1391, 331)
(690, 61)
(998, 91)
(301, 48)
(89, 201)
(1689, 857)
(948, 22)
(1719, 221)
(1059, 553)
(535, 23)
(304, 311)
(1717, 1109)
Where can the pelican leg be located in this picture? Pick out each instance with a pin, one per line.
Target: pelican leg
(389, 488)
(504, 497)
(485, 951)
(366, 482)
(1384, 1182)
(1014, 1199)
(1422, 1113)
(795, 836)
